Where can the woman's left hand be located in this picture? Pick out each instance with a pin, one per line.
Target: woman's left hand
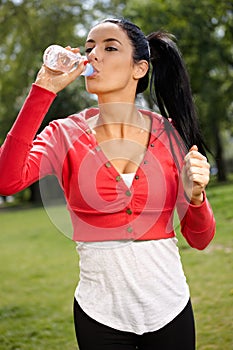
(195, 175)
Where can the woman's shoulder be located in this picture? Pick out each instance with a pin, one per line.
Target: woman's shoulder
(76, 121)
(157, 119)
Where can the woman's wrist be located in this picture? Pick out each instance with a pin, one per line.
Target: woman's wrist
(45, 83)
(197, 200)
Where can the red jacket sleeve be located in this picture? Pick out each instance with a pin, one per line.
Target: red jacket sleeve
(198, 225)
(19, 166)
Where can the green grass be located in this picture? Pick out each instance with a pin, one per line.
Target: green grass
(38, 268)
(39, 272)
(210, 276)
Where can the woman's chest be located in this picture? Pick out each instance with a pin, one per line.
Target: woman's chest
(92, 180)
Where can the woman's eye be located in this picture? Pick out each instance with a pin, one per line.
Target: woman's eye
(88, 49)
(108, 48)
(111, 48)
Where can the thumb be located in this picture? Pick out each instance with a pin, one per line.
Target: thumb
(193, 148)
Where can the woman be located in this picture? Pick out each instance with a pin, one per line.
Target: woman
(123, 171)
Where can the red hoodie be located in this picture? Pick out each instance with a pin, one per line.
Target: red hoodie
(101, 206)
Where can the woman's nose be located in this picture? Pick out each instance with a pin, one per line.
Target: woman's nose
(94, 55)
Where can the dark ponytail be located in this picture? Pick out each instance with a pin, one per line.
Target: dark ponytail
(170, 88)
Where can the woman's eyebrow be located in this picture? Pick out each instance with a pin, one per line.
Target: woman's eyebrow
(112, 39)
(105, 41)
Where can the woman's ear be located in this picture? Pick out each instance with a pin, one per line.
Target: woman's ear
(140, 69)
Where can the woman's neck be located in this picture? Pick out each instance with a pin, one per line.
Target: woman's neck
(119, 113)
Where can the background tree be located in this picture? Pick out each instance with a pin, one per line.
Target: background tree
(204, 33)
(27, 28)
(204, 30)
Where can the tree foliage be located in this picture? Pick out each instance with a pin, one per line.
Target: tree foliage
(204, 32)
(27, 28)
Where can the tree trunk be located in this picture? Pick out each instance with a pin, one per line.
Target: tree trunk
(221, 176)
(35, 197)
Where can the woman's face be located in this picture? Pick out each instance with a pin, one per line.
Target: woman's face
(109, 50)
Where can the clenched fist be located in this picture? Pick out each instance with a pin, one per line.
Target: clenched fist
(195, 175)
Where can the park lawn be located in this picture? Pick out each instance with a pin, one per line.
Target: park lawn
(38, 268)
(210, 276)
(39, 273)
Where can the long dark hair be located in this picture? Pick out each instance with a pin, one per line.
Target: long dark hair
(169, 83)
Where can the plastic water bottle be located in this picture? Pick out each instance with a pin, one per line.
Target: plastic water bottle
(58, 59)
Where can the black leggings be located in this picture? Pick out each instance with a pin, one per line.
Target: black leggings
(179, 334)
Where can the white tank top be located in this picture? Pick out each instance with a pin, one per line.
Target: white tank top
(136, 286)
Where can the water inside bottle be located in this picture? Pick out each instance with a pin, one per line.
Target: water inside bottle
(65, 63)
(59, 59)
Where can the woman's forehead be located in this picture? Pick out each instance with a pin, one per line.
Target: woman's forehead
(107, 30)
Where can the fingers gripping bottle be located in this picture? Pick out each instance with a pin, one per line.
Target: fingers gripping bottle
(58, 59)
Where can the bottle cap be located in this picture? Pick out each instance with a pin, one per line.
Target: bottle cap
(89, 70)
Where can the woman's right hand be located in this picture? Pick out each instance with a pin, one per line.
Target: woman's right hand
(57, 81)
